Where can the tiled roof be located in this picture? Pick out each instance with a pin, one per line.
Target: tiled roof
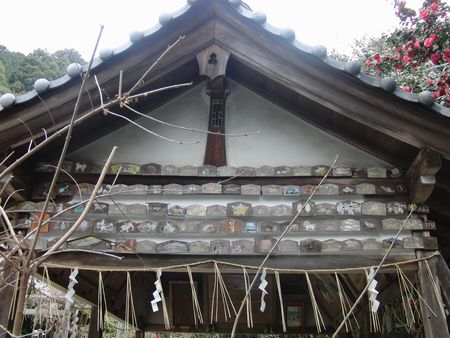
(353, 68)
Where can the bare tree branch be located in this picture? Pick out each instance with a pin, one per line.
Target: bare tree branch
(83, 215)
(152, 132)
(157, 90)
(101, 253)
(141, 80)
(186, 128)
(6, 158)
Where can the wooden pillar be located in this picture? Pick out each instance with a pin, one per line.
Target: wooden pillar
(434, 326)
(212, 62)
(215, 153)
(139, 334)
(93, 332)
(420, 176)
(7, 296)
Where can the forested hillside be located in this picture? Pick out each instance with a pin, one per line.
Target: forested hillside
(18, 71)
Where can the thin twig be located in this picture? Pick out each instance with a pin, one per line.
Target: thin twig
(83, 215)
(87, 251)
(10, 195)
(6, 158)
(72, 178)
(14, 265)
(189, 129)
(135, 123)
(154, 91)
(233, 332)
(48, 110)
(5, 185)
(140, 81)
(152, 132)
(29, 130)
(99, 91)
(25, 276)
(64, 150)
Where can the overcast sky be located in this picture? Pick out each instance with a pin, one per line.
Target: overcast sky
(51, 24)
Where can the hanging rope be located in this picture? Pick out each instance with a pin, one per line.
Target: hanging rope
(345, 305)
(406, 299)
(411, 285)
(280, 297)
(129, 305)
(220, 288)
(436, 290)
(101, 299)
(316, 311)
(195, 304)
(182, 267)
(248, 300)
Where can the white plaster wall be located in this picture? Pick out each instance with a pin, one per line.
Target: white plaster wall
(190, 109)
(284, 139)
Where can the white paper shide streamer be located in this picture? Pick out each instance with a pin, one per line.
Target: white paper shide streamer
(70, 291)
(157, 292)
(262, 287)
(373, 293)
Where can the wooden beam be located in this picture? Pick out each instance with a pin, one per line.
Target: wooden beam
(311, 78)
(444, 279)
(304, 261)
(93, 331)
(420, 176)
(434, 326)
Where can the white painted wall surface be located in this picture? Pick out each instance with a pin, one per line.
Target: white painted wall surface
(284, 139)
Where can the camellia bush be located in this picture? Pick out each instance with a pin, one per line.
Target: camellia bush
(416, 54)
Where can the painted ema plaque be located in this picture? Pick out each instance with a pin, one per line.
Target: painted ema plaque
(237, 209)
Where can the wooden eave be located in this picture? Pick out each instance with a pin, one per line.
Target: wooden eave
(369, 118)
(255, 48)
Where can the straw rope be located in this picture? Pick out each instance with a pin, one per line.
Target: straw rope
(89, 267)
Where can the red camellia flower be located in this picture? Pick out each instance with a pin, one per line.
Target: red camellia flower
(434, 6)
(428, 42)
(430, 82)
(377, 58)
(447, 55)
(417, 44)
(406, 89)
(368, 63)
(435, 58)
(407, 59)
(424, 14)
(436, 95)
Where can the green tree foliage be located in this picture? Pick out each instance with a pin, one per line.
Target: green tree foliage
(416, 54)
(18, 72)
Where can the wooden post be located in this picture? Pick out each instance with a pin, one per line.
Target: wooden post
(93, 332)
(215, 153)
(139, 334)
(420, 176)
(212, 62)
(434, 326)
(444, 279)
(7, 296)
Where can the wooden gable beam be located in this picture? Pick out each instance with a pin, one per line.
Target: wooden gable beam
(331, 88)
(420, 176)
